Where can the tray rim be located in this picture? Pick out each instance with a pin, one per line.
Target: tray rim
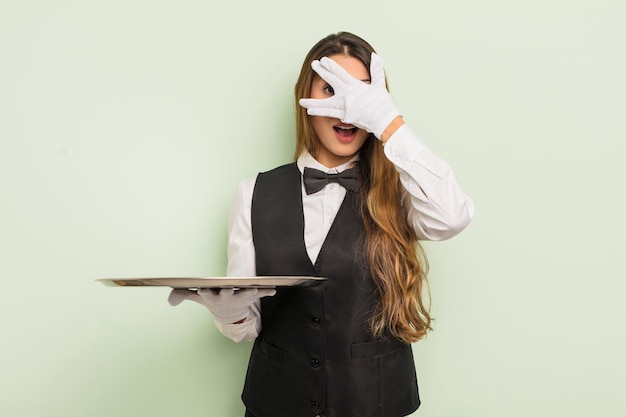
(214, 282)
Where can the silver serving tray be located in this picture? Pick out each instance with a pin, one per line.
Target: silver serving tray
(214, 282)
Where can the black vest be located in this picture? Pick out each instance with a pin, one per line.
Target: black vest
(315, 354)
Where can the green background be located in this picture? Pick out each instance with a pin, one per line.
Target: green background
(125, 127)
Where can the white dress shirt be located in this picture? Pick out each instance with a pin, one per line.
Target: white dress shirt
(435, 205)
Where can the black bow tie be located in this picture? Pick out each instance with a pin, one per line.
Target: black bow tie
(315, 180)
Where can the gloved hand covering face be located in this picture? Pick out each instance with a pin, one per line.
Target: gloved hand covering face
(227, 304)
(366, 106)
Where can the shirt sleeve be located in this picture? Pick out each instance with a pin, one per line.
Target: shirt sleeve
(436, 207)
(241, 261)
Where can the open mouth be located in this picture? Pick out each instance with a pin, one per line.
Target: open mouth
(345, 130)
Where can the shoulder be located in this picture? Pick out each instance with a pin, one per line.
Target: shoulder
(247, 186)
(282, 174)
(281, 170)
(278, 182)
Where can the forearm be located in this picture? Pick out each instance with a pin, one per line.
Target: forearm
(241, 255)
(435, 204)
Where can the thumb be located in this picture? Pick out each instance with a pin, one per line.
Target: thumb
(376, 70)
(266, 292)
(178, 296)
(249, 295)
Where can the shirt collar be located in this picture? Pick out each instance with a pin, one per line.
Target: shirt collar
(306, 160)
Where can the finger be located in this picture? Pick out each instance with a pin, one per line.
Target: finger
(337, 71)
(329, 107)
(330, 103)
(326, 75)
(178, 296)
(247, 292)
(246, 295)
(226, 292)
(211, 295)
(308, 102)
(326, 112)
(376, 70)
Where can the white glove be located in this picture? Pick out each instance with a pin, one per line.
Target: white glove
(367, 106)
(227, 305)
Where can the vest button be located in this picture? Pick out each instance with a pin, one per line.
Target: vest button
(315, 321)
(315, 363)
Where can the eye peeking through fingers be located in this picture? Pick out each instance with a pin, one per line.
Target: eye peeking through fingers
(321, 89)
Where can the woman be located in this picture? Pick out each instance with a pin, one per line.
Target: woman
(340, 349)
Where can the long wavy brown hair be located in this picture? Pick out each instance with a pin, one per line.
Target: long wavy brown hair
(397, 261)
